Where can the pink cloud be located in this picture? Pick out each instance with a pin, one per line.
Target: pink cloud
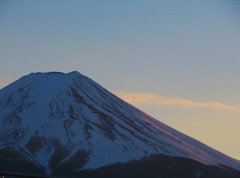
(140, 98)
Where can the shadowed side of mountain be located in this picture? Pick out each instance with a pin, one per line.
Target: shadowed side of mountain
(15, 163)
(156, 166)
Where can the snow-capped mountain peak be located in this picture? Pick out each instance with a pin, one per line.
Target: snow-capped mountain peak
(55, 120)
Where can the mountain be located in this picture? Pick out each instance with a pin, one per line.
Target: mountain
(56, 124)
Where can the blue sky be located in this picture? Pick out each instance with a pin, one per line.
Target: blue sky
(175, 49)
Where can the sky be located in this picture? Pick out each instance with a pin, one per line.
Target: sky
(176, 60)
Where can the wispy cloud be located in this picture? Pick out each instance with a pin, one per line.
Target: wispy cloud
(139, 98)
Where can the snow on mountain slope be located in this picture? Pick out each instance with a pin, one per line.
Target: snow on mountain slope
(55, 119)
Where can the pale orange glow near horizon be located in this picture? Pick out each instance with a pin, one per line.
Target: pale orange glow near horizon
(4, 81)
(213, 123)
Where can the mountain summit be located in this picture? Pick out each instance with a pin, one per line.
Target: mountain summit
(66, 124)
